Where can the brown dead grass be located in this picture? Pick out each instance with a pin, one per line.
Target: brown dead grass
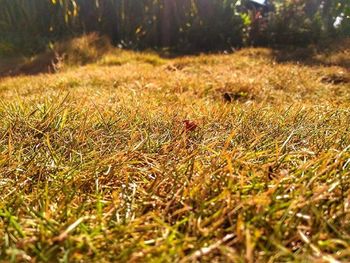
(97, 166)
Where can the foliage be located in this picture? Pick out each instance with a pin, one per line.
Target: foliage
(299, 22)
(181, 24)
(131, 23)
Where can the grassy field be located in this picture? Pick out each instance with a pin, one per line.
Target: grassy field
(98, 165)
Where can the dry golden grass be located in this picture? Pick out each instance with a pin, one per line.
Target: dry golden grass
(97, 166)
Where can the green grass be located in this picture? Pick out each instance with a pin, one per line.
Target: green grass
(96, 165)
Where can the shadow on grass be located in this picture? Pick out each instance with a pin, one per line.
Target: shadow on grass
(90, 48)
(42, 63)
(309, 57)
(331, 53)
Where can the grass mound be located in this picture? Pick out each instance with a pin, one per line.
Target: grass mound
(98, 165)
(72, 52)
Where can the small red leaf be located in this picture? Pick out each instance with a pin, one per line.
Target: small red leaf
(189, 125)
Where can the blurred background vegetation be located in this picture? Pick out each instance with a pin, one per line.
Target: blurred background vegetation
(31, 26)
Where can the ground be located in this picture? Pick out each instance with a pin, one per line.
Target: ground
(98, 165)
